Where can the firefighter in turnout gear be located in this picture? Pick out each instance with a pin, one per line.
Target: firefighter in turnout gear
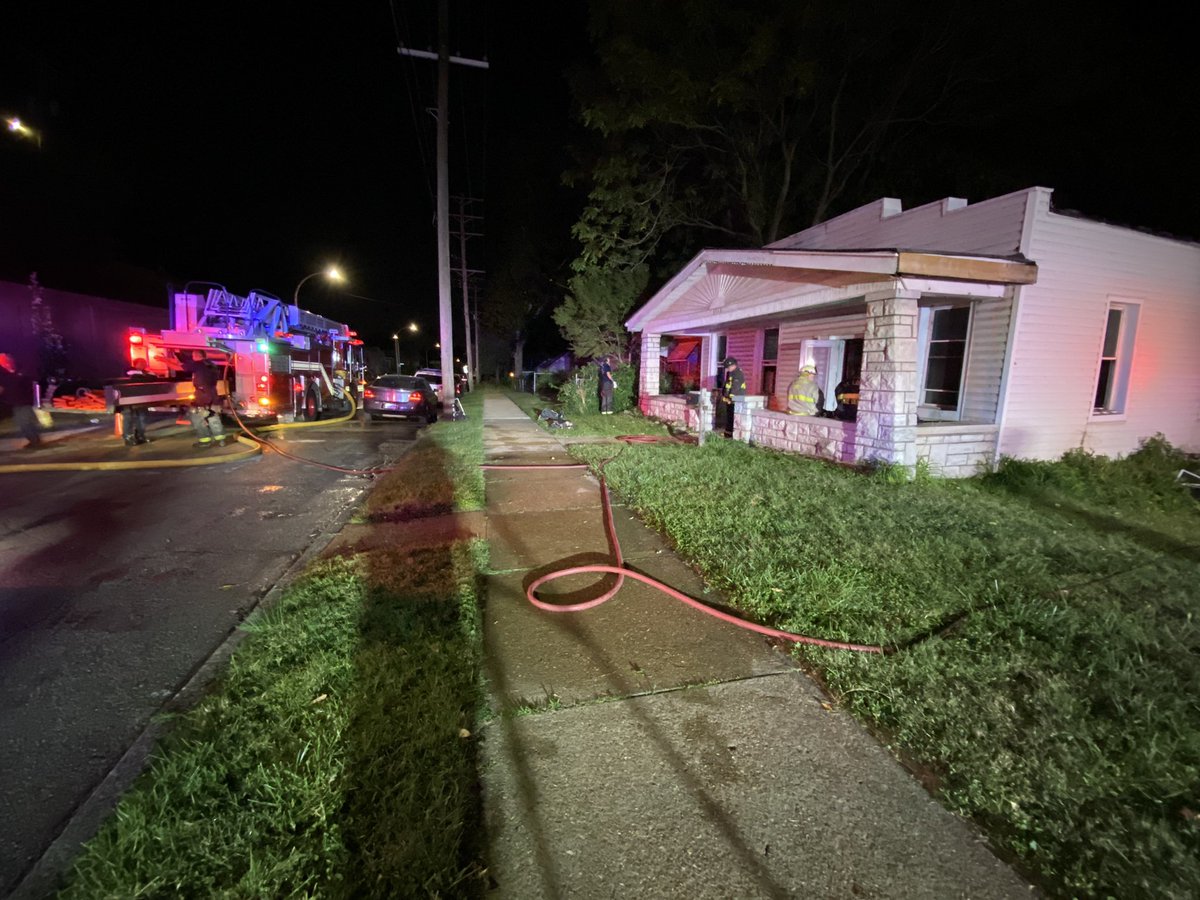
(847, 400)
(804, 397)
(733, 386)
(206, 404)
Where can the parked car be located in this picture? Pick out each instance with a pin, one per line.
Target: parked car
(434, 377)
(401, 397)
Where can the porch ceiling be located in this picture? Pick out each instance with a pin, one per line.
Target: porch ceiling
(719, 286)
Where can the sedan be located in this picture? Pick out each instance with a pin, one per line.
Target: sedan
(434, 377)
(400, 397)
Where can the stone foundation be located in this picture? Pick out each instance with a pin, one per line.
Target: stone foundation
(671, 408)
(952, 451)
(807, 435)
(956, 451)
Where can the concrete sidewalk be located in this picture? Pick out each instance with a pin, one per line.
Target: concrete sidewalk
(711, 768)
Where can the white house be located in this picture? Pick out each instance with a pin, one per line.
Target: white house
(999, 328)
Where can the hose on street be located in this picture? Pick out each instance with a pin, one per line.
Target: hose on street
(274, 446)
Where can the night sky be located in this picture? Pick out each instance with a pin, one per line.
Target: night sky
(253, 143)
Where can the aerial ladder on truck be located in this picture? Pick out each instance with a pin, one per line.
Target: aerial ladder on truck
(279, 362)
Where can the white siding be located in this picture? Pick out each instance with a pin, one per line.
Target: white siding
(1061, 321)
(991, 227)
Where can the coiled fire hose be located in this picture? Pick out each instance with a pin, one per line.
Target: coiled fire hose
(622, 572)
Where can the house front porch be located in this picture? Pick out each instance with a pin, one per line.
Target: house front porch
(931, 342)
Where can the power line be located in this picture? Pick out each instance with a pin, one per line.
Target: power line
(411, 87)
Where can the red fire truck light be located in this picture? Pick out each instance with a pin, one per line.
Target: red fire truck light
(135, 339)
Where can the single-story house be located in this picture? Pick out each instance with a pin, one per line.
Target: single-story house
(972, 331)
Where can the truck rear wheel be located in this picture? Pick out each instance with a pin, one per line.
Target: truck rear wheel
(312, 408)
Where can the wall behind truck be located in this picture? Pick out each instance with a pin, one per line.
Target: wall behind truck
(94, 329)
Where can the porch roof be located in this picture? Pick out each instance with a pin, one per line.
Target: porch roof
(719, 286)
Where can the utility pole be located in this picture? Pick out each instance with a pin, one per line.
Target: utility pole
(464, 215)
(445, 314)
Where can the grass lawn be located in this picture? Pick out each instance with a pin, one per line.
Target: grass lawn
(336, 757)
(1045, 620)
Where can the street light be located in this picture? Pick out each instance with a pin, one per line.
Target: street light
(332, 273)
(396, 348)
(20, 129)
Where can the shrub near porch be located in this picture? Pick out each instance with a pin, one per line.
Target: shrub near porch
(580, 394)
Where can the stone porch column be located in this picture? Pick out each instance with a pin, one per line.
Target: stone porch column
(887, 396)
(744, 408)
(648, 380)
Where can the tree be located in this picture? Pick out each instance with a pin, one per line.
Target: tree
(740, 122)
(519, 292)
(591, 317)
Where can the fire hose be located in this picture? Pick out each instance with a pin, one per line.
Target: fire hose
(264, 442)
(622, 572)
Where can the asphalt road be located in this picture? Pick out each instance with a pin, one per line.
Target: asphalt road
(115, 587)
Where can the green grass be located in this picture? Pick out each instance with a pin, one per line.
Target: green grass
(335, 758)
(441, 474)
(1046, 621)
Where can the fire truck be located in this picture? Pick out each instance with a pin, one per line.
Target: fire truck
(279, 362)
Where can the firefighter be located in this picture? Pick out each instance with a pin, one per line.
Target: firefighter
(133, 416)
(804, 397)
(733, 386)
(16, 392)
(607, 383)
(847, 400)
(206, 405)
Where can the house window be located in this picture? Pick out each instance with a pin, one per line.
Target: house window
(1116, 354)
(770, 355)
(943, 336)
(722, 343)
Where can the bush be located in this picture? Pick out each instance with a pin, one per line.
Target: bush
(1144, 477)
(579, 394)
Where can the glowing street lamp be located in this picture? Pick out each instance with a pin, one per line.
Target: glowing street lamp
(19, 128)
(396, 349)
(332, 273)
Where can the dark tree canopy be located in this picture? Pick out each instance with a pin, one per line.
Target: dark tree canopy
(740, 122)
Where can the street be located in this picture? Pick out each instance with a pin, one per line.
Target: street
(115, 587)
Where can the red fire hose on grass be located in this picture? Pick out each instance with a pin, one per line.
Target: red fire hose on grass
(622, 572)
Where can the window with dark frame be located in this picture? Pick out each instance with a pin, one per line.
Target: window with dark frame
(1106, 381)
(945, 357)
(770, 356)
